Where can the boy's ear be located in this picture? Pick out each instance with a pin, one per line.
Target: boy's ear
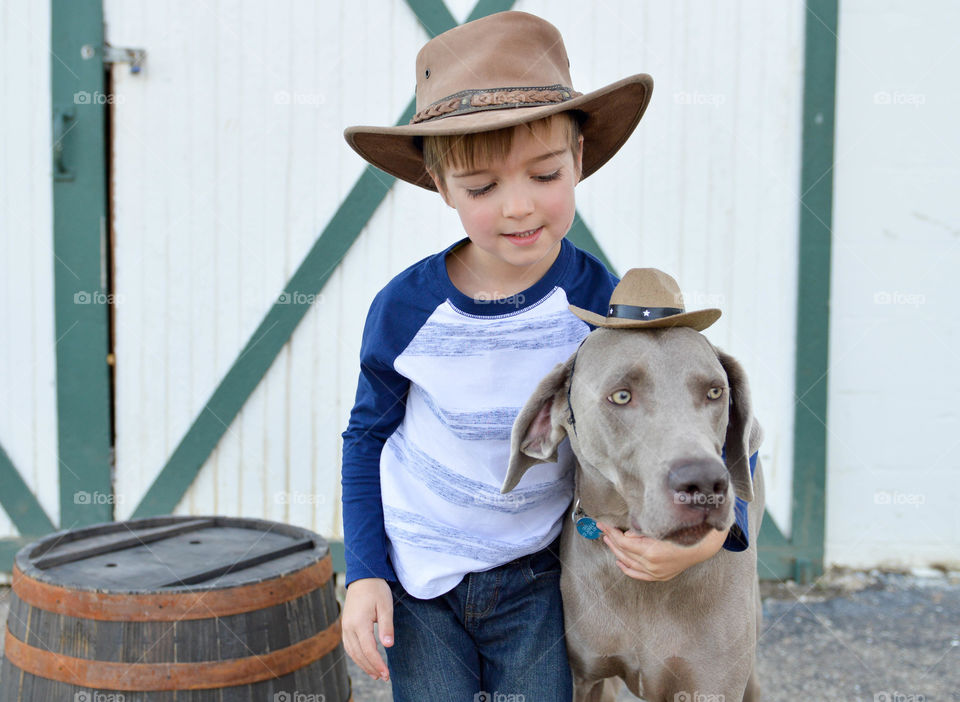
(579, 158)
(441, 187)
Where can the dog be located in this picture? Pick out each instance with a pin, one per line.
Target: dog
(648, 414)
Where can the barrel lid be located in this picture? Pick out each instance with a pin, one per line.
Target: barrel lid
(169, 554)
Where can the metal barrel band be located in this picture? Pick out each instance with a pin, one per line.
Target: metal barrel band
(171, 606)
(113, 675)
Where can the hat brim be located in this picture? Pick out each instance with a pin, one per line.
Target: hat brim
(697, 320)
(612, 113)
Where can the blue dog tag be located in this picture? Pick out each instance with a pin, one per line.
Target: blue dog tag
(588, 528)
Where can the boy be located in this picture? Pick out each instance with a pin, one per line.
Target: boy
(453, 346)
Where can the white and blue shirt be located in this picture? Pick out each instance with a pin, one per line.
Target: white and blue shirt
(442, 378)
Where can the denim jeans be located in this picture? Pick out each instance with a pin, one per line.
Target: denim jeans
(498, 635)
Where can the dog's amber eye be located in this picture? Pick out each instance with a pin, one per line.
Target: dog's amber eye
(620, 397)
(715, 393)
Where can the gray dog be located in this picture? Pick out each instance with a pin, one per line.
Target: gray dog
(647, 413)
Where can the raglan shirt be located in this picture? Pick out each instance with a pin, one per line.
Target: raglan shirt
(442, 378)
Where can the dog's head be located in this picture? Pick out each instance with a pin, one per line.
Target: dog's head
(649, 414)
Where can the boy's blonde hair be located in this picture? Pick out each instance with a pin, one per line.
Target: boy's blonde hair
(468, 150)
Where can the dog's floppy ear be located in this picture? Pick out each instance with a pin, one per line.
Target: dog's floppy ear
(537, 430)
(743, 431)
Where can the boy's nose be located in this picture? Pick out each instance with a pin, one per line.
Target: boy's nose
(517, 203)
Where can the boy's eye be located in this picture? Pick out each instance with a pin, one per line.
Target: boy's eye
(478, 192)
(547, 178)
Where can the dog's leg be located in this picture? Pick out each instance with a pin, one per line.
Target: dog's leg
(752, 693)
(597, 691)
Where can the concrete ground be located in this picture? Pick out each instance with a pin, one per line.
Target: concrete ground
(851, 637)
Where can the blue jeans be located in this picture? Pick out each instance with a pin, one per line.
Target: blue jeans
(496, 634)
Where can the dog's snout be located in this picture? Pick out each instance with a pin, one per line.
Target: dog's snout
(698, 483)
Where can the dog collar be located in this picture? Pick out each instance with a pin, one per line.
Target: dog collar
(573, 366)
(586, 526)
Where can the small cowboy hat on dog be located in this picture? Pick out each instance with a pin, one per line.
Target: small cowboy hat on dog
(499, 71)
(647, 298)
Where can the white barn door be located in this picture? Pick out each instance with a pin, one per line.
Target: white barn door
(228, 160)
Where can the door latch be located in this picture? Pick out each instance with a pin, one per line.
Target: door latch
(117, 54)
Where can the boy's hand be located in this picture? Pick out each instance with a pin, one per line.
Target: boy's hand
(644, 558)
(368, 601)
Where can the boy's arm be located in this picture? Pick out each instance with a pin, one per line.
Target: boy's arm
(378, 410)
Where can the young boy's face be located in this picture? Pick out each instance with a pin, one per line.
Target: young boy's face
(517, 209)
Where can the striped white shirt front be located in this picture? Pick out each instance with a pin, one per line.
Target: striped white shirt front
(443, 377)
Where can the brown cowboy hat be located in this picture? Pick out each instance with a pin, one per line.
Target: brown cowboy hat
(647, 298)
(499, 71)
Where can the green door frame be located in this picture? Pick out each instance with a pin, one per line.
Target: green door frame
(801, 556)
(83, 375)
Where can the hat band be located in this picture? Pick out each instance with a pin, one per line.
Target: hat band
(468, 101)
(637, 312)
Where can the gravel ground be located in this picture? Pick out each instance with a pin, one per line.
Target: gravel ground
(851, 637)
(871, 637)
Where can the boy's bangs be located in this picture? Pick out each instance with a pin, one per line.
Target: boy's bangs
(470, 151)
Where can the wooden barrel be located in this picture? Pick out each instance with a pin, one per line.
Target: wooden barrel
(175, 608)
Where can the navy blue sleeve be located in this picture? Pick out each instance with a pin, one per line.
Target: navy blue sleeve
(588, 283)
(379, 408)
(377, 411)
(738, 538)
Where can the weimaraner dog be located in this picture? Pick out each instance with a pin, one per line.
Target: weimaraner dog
(647, 413)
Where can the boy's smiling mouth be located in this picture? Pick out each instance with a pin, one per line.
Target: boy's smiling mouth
(525, 237)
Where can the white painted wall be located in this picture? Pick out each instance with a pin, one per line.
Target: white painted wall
(229, 160)
(28, 420)
(893, 479)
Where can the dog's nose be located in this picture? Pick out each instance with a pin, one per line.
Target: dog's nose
(699, 484)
